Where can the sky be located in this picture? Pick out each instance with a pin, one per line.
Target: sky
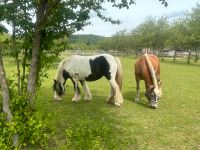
(135, 15)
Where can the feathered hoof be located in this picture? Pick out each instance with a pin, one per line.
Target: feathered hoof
(117, 104)
(88, 98)
(137, 100)
(57, 97)
(76, 98)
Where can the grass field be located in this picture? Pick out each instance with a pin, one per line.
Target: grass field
(98, 125)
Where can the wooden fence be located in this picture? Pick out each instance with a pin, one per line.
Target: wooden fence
(88, 53)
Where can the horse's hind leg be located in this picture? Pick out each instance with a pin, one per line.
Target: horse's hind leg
(118, 98)
(137, 96)
(88, 95)
(110, 98)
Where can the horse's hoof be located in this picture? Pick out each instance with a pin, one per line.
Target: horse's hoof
(76, 99)
(88, 98)
(56, 100)
(117, 104)
(137, 100)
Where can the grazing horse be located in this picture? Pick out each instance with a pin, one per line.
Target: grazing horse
(147, 68)
(89, 68)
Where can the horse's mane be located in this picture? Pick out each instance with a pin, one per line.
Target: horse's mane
(152, 72)
(61, 67)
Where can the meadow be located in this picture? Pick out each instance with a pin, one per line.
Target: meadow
(175, 124)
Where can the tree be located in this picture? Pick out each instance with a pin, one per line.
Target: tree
(194, 30)
(4, 85)
(177, 36)
(151, 33)
(5, 90)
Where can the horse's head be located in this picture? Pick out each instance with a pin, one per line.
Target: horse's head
(58, 90)
(153, 95)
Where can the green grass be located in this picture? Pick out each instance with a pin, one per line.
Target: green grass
(174, 125)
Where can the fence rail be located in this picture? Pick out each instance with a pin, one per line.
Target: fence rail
(88, 53)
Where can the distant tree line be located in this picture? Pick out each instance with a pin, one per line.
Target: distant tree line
(159, 34)
(84, 42)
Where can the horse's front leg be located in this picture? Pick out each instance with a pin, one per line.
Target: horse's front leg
(88, 95)
(137, 96)
(77, 96)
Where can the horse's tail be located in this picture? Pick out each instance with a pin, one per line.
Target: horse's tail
(119, 75)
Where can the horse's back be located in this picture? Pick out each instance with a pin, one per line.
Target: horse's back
(141, 68)
(78, 64)
(91, 67)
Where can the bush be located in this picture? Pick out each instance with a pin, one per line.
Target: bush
(31, 127)
(7, 130)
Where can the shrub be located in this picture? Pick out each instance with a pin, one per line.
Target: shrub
(31, 127)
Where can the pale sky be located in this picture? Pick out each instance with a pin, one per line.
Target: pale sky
(136, 14)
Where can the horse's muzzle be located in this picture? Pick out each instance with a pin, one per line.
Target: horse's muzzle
(154, 104)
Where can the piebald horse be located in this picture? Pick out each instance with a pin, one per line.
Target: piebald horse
(89, 68)
(147, 68)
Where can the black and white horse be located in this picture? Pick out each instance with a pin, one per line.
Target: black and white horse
(89, 68)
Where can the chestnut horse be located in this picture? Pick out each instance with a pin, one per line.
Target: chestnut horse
(147, 68)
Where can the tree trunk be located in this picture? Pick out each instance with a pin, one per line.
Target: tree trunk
(196, 56)
(31, 87)
(18, 73)
(16, 57)
(34, 68)
(6, 96)
(162, 55)
(5, 90)
(189, 56)
(24, 69)
(43, 11)
(174, 59)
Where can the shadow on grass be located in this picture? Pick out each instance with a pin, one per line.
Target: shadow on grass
(130, 96)
(91, 117)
